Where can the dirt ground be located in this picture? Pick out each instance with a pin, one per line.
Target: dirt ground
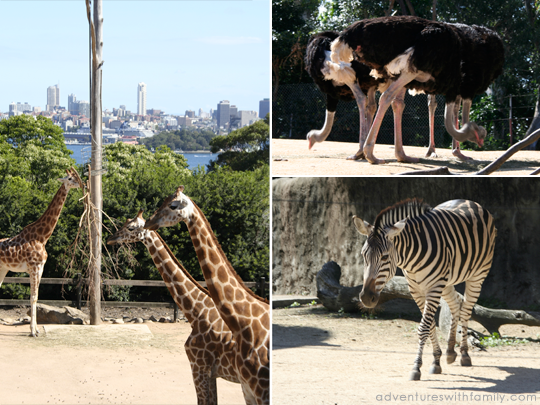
(114, 366)
(330, 358)
(291, 157)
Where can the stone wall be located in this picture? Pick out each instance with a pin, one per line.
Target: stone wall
(312, 224)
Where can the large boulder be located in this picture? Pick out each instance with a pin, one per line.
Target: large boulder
(66, 315)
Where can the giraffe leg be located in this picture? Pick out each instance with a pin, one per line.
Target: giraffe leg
(454, 303)
(3, 272)
(472, 292)
(428, 305)
(35, 278)
(248, 395)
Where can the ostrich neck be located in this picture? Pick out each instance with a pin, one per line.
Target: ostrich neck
(188, 295)
(42, 229)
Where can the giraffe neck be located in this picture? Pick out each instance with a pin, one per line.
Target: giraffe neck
(236, 304)
(42, 229)
(190, 297)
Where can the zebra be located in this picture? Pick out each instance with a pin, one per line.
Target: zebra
(436, 248)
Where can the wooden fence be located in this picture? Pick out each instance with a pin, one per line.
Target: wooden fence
(78, 281)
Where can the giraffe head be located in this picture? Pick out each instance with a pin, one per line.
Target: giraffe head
(131, 232)
(177, 207)
(72, 180)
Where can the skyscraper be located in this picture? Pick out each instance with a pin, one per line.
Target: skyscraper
(141, 99)
(264, 107)
(223, 113)
(73, 106)
(53, 97)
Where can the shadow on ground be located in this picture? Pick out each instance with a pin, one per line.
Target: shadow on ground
(286, 337)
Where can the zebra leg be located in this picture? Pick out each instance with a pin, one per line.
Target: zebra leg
(454, 303)
(428, 305)
(437, 352)
(472, 292)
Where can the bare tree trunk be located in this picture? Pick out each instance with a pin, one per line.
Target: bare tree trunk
(96, 28)
(434, 11)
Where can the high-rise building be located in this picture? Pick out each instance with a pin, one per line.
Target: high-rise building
(264, 107)
(53, 97)
(247, 117)
(190, 113)
(73, 106)
(223, 113)
(234, 111)
(141, 99)
(84, 108)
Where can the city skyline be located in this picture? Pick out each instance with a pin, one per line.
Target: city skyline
(190, 55)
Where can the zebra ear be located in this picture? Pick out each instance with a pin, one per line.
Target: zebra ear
(362, 226)
(397, 228)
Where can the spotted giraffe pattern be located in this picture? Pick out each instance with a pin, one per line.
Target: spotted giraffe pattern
(25, 253)
(246, 314)
(210, 346)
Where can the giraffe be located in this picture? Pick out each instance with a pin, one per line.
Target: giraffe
(210, 344)
(246, 314)
(26, 252)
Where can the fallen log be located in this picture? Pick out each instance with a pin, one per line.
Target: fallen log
(336, 297)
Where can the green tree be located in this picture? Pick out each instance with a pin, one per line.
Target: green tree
(186, 139)
(244, 149)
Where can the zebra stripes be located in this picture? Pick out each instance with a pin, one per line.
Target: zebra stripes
(436, 248)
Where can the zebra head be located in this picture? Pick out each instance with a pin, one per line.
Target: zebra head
(380, 258)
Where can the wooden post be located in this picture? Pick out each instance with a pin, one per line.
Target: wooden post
(96, 29)
(78, 289)
(262, 287)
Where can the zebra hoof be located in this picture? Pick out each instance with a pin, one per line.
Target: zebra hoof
(415, 375)
(435, 369)
(466, 361)
(450, 357)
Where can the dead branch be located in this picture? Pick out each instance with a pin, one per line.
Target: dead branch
(336, 297)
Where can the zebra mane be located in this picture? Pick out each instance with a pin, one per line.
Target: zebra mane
(411, 207)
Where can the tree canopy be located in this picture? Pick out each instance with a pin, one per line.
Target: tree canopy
(186, 139)
(246, 148)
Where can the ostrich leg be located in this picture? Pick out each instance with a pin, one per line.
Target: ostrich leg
(361, 102)
(432, 106)
(384, 102)
(456, 151)
(398, 105)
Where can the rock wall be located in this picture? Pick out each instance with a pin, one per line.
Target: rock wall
(312, 224)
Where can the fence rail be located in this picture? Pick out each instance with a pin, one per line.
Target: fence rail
(78, 281)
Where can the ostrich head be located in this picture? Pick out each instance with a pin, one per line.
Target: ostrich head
(475, 133)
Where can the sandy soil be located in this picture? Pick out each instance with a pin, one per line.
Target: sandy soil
(291, 157)
(114, 366)
(327, 358)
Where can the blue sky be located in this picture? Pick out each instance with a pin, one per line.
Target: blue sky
(191, 54)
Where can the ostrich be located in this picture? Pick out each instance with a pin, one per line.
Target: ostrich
(411, 53)
(482, 62)
(317, 64)
(317, 57)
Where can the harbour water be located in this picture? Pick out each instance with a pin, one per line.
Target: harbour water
(81, 153)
